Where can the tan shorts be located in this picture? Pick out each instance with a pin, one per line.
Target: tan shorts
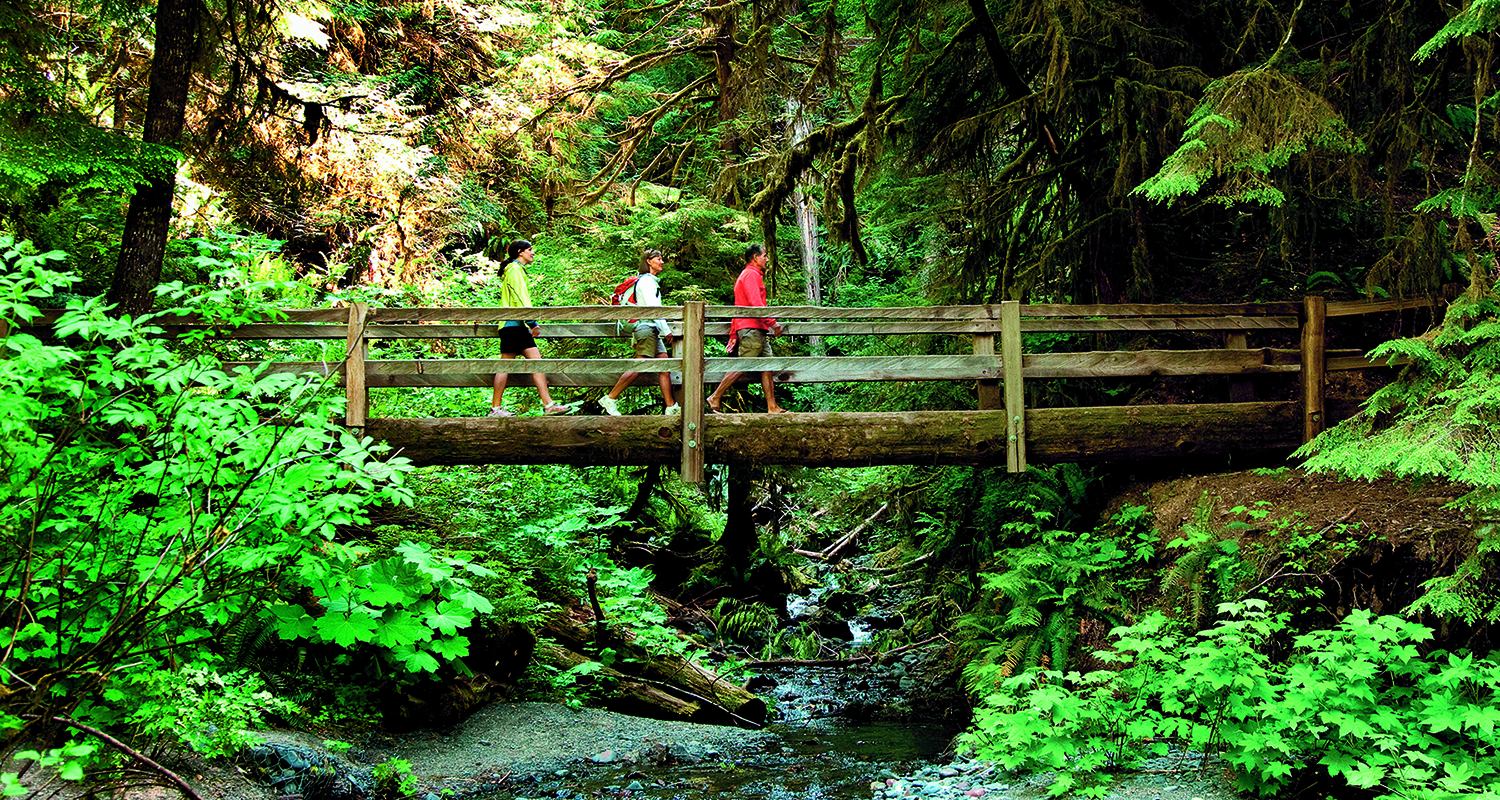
(754, 343)
(647, 341)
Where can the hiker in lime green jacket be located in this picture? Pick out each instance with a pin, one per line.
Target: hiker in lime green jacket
(517, 337)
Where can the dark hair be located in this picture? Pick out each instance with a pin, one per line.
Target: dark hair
(646, 257)
(518, 247)
(752, 251)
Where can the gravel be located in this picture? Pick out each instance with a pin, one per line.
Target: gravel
(1170, 778)
(545, 738)
(534, 750)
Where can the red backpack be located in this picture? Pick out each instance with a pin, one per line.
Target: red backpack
(625, 292)
(624, 296)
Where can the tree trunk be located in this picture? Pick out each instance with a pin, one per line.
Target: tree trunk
(807, 225)
(739, 540)
(629, 695)
(150, 215)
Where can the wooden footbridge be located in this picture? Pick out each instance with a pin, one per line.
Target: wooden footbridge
(1291, 341)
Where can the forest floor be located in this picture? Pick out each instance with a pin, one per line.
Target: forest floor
(1395, 511)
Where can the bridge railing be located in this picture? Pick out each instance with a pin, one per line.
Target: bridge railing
(996, 363)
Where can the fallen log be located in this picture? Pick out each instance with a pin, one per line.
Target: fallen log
(724, 703)
(631, 695)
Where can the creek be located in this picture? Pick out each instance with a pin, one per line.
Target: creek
(834, 730)
(811, 753)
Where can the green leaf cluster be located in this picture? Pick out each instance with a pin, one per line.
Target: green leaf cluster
(1481, 16)
(150, 500)
(410, 607)
(1248, 125)
(1361, 702)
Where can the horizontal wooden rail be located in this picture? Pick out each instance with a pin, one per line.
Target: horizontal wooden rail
(996, 364)
(1105, 317)
(600, 330)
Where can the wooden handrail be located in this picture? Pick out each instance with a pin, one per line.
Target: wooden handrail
(999, 368)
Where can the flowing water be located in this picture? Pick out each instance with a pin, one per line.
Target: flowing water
(830, 744)
(811, 759)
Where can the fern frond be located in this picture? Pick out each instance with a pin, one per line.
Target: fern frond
(1481, 17)
(1248, 124)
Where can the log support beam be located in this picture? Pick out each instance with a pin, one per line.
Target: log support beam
(1111, 433)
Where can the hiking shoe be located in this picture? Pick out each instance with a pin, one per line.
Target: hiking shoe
(499, 411)
(609, 405)
(556, 409)
(674, 410)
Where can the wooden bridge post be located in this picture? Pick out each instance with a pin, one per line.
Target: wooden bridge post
(692, 391)
(1015, 393)
(1314, 346)
(1241, 389)
(356, 393)
(988, 391)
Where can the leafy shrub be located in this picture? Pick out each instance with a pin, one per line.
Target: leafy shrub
(150, 499)
(1436, 421)
(211, 712)
(393, 779)
(1359, 703)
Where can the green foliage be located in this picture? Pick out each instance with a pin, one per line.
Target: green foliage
(1481, 16)
(1248, 125)
(1210, 569)
(1030, 612)
(1359, 703)
(410, 607)
(1041, 581)
(151, 499)
(394, 780)
(1440, 419)
(83, 158)
(738, 621)
(69, 761)
(209, 711)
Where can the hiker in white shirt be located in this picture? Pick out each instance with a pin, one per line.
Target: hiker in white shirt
(651, 336)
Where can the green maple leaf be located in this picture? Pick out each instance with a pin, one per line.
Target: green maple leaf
(449, 617)
(418, 660)
(401, 628)
(1338, 762)
(451, 647)
(292, 622)
(1481, 717)
(474, 601)
(345, 630)
(1365, 776)
(382, 594)
(1441, 714)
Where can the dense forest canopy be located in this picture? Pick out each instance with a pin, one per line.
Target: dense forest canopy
(1080, 150)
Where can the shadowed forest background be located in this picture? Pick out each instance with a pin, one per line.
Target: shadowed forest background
(190, 552)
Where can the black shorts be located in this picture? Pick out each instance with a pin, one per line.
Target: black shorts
(515, 340)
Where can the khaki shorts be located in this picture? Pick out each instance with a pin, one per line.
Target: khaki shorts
(647, 341)
(754, 343)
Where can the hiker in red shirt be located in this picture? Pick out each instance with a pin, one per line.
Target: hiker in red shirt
(750, 337)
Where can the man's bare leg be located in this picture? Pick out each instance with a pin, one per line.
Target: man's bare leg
(718, 395)
(769, 385)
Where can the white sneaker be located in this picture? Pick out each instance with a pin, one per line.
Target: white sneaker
(608, 404)
(499, 411)
(674, 410)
